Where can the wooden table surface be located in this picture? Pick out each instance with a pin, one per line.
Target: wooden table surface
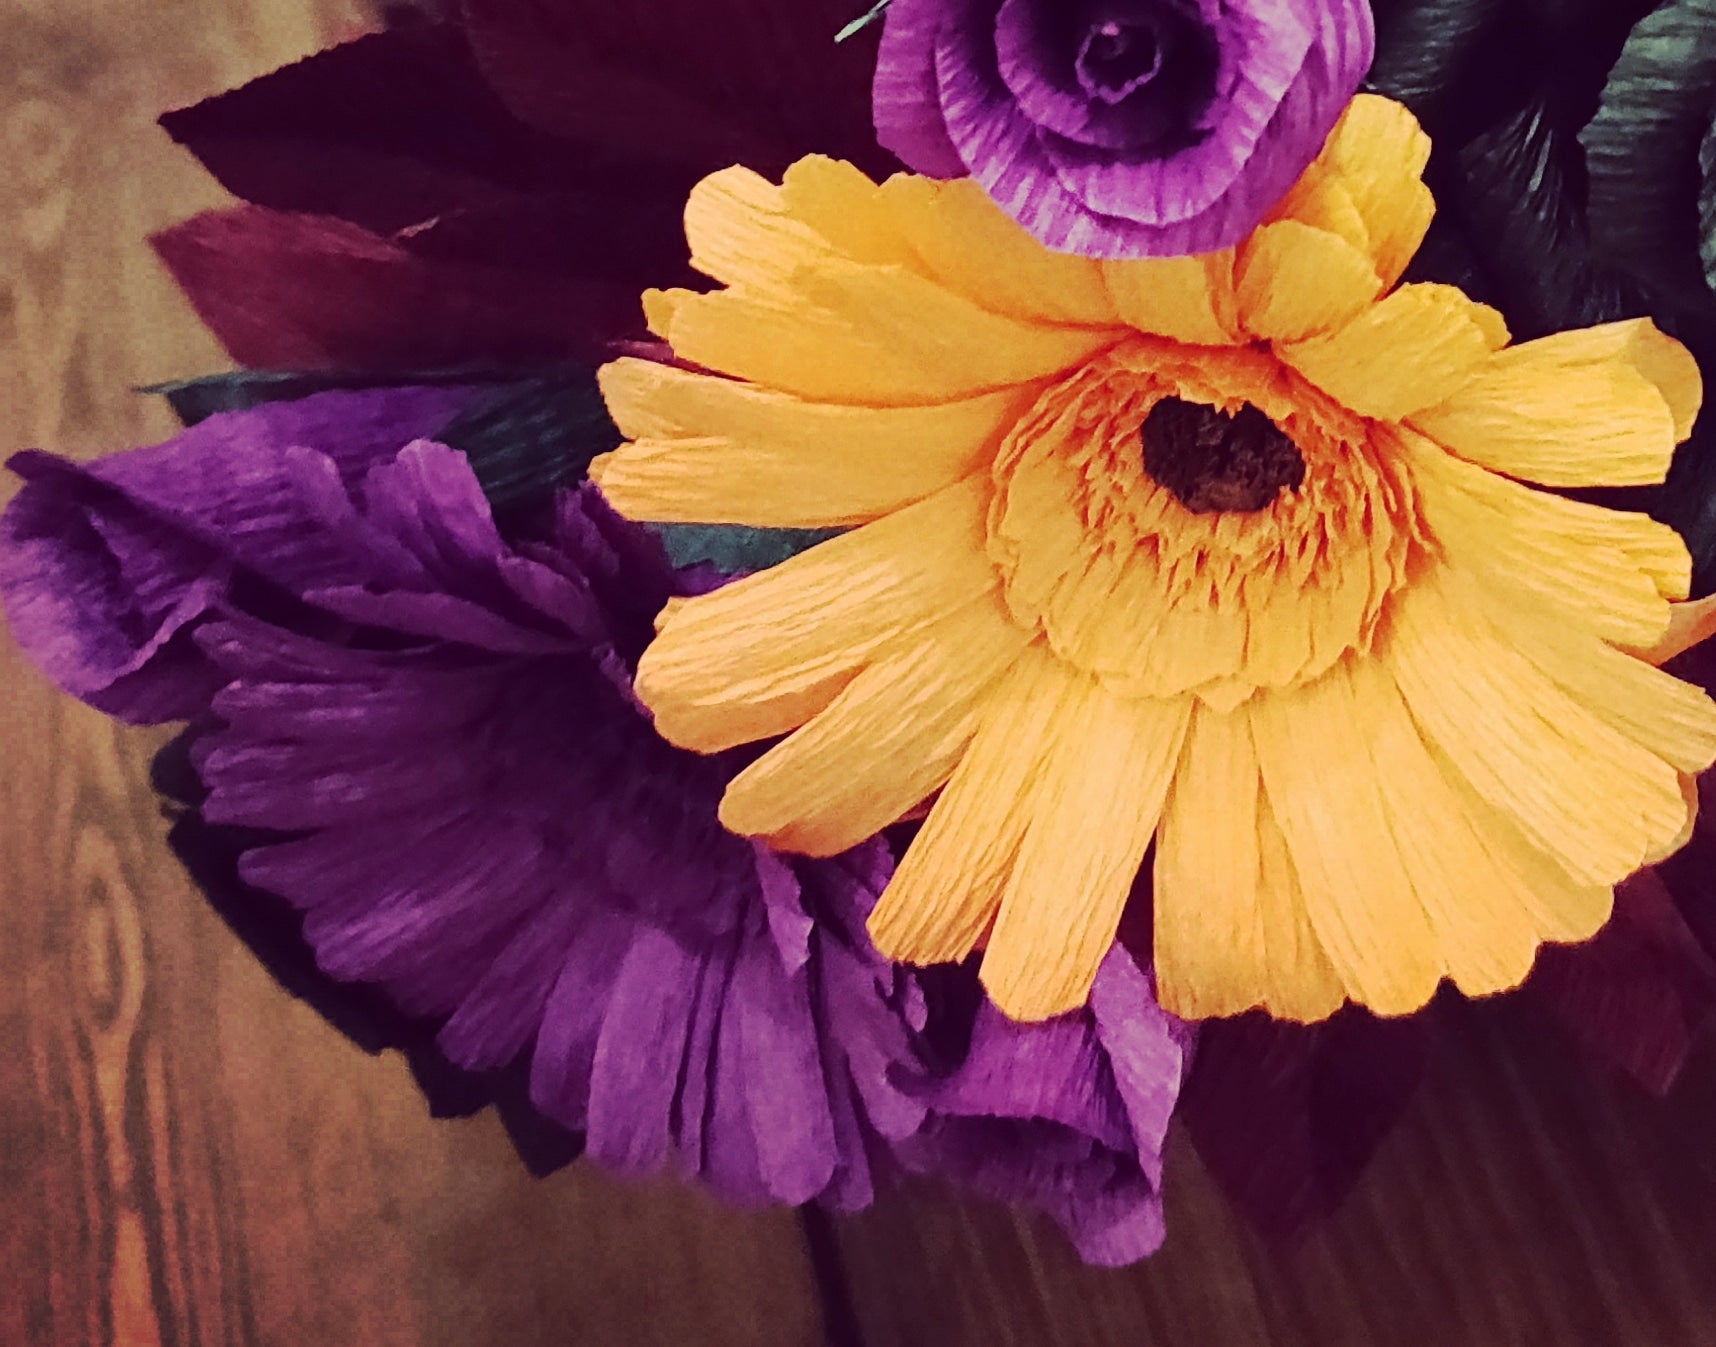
(187, 1156)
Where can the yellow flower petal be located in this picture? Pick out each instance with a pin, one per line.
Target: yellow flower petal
(1483, 917)
(1322, 200)
(1689, 793)
(1378, 151)
(847, 209)
(1579, 408)
(1410, 351)
(711, 450)
(1295, 281)
(741, 234)
(1189, 299)
(1562, 908)
(1609, 571)
(761, 656)
(884, 745)
(1689, 624)
(870, 336)
(1231, 931)
(1321, 782)
(1674, 720)
(948, 886)
(1095, 795)
(970, 245)
(1580, 791)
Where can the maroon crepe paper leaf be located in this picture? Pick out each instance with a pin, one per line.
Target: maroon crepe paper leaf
(386, 131)
(309, 292)
(685, 82)
(1637, 995)
(1287, 1116)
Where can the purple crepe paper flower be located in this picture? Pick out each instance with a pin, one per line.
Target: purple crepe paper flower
(436, 731)
(487, 825)
(106, 568)
(1121, 128)
(1068, 1115)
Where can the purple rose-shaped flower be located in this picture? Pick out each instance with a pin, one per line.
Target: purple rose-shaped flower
(1120, 128)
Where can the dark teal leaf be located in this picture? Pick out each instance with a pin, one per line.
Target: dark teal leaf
(733, 549)
(1643, 150)
(1707, 204)
(528, 437)
(1422, 47)
(194, 400)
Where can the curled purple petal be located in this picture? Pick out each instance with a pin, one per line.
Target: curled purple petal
(105, 568)
(1068, 1115)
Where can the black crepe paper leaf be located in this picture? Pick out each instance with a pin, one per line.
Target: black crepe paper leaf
(385, 131)
(530, 437)
(688, 82)
(1517, 188)
(1424, 46)
(273, 931)
(1643, 150)
(1707, 204)
(1287, 1116)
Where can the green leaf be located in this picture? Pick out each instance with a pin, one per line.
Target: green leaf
(863, 21)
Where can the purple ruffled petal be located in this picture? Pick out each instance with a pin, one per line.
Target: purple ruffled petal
(906, 96)
(1068, 1115)
(104, 567)
(471, 811)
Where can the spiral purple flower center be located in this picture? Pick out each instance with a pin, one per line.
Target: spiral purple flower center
(1128, 75)
(1117, 59)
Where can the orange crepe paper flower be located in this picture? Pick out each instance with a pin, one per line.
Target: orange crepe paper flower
(1231, 553)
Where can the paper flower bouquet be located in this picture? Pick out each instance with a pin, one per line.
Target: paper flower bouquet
(807, 609)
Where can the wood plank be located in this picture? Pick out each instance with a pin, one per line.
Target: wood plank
(1527, 1199)
(188, 1156)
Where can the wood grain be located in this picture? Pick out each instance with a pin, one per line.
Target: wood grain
(1526, 1202)
(188, 1156)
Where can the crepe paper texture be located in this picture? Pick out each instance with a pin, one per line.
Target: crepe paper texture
(423, 738)
(107, 568)
(1155, 128)
(1651, 152)
(1069, 1115)
(1362, 685)
(499, 188)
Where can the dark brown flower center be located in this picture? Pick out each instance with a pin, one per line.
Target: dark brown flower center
(1212, 461)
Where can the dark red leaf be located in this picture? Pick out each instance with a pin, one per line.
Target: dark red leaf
(1637, 995)
(1286, 1116)
(686, 82)
(290, 291)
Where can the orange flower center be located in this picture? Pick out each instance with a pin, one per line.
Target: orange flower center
(1254, 541)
